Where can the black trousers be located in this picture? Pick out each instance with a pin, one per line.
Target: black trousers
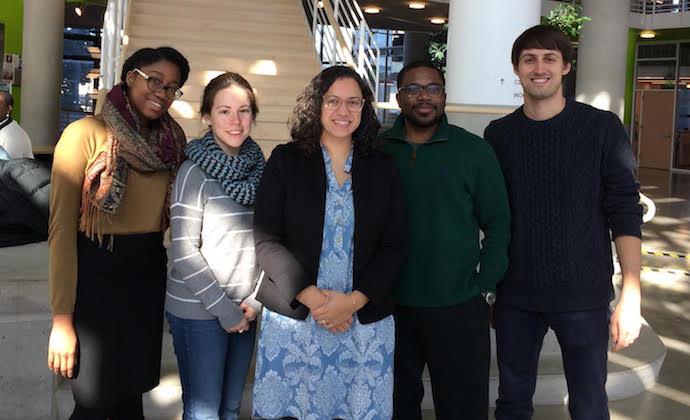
(454, 343)
(129, 409)
(583, 337)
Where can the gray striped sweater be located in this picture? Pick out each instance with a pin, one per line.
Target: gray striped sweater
(212, 258)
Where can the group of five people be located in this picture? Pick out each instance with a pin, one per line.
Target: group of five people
(360, 251)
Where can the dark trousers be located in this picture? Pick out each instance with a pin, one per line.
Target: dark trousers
(583, 337)
(454, 343)
(130, 409)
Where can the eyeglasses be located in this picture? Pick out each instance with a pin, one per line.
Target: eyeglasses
(156, 85)
(433, 90)
(353, 104)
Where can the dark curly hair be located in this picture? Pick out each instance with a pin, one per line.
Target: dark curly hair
(305, 122)
(146, 56)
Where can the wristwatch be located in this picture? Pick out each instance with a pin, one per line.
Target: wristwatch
(489, 297)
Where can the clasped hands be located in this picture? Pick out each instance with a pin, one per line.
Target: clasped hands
(243, 325)
(330, 309)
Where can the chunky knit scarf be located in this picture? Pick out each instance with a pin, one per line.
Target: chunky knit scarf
(105, 180)
(238, 175)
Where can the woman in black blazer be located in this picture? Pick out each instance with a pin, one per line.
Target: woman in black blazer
(329, 235)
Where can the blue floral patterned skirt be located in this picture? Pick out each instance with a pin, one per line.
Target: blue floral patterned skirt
(307, 372)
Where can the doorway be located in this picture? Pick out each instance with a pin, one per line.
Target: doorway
(655, 129)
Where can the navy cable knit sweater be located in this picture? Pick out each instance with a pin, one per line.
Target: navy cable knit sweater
(571, 188)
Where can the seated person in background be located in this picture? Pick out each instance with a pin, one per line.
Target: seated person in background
(13, 138)
(24, 199)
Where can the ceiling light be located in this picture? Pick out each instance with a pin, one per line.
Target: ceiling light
(372, 10)
(417, 5)
(647, 34)
(437, 21)
(78, 10)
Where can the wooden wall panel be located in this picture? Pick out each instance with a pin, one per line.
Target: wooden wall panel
(248, 37)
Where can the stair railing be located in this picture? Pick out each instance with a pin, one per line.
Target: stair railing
(343, 37)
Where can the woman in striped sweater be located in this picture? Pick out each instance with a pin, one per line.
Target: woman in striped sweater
(210, 303)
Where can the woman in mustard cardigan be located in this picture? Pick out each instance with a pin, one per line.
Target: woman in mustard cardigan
(111, 180)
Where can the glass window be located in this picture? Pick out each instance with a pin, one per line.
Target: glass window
(77, 47)
(76, 85)
(80, 74)
(656, 74)
(656, 51)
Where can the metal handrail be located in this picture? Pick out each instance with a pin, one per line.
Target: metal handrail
(652, 7)
(342, 36)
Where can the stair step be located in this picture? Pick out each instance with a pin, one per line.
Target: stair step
(193, 128)
(271, 92)
(287, 40)
(242, 21)
(271, 11)
(267, 113)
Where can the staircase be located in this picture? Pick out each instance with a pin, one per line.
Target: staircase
(267, 42)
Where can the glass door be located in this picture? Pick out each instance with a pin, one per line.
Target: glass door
(681, 139)
(655, 88)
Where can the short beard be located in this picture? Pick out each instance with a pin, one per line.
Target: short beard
(415, 122)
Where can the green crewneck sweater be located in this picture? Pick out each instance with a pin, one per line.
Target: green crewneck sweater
(453, 188)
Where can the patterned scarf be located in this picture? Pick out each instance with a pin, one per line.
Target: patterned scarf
(238, 175)
(106, 178)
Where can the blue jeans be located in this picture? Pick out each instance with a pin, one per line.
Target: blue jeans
(213, 366)
(583, 337)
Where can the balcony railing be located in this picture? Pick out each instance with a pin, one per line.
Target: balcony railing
(651, 7)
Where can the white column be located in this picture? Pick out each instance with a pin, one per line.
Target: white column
(480, 38)
(42, 69)
(602, 55)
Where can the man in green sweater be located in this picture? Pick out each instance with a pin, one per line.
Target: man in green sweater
(453, 188)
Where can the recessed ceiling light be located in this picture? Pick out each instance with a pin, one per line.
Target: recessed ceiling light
(437, 21)
(647, 34)
(372, 10)
(417, 5)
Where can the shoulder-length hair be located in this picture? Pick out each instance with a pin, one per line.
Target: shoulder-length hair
(305, 122)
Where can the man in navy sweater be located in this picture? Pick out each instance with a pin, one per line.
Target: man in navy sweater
(569, 173)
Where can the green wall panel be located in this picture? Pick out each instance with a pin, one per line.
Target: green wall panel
(11, 15)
